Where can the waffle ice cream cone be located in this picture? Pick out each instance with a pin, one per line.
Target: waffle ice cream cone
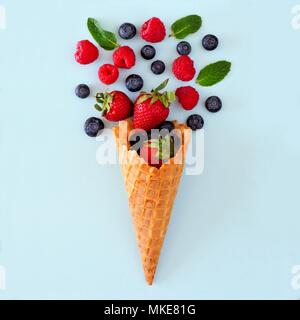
(151, 193)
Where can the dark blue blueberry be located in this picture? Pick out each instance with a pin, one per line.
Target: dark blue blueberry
(167, 125)
(148, 52)
(93, 126)
(210, 42)
(158, 67)
(195, 122)
(134, 83)
(184, 48)
(82, 91)
(213, 104)
(127, 31)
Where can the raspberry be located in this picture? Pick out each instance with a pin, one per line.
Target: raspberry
(108, 73)
(86, 52)
(153, 30)
(124, 57)
(183, 68)
(188, 97)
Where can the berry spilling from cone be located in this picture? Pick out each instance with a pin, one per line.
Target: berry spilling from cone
(149, 110)
(150, 140)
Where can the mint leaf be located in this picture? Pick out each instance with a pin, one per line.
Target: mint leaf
(213, 73)
(185, 26)
(106, 39)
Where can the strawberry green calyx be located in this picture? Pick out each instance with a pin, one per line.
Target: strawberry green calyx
(166, 98)
(103, 101)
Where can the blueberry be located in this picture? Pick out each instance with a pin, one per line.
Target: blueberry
(210, 42)
(158, 67)
(184, 48)
(93, 126)
(162, 130)
(148, 52)
(82, 91)
(127, 31)
(134, 83)
(213, 104)
(167, 125)
(195, 122)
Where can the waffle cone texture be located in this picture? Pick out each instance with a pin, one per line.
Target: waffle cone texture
(151, 193)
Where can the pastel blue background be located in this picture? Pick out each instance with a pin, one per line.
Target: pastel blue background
(65, 228)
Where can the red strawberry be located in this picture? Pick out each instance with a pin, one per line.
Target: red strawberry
(157, 151)
(116, 106)
(183, 68)
(153, 30)
(108, 74)
(188, 97)
(124, 57)
(151, 109)
(86, 52)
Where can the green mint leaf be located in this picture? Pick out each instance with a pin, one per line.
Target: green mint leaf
(106, 39)
(213, 73)
(185, 26)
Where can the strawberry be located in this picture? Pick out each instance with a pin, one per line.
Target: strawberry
(116, 106)
(151, 109)
(157, 151)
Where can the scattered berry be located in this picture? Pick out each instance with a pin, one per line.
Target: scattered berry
(93, 126)
(210, 42)
(148, 52)
(213, 104)
(153, 30)
(151, 109)
(134, 83)
(158, 67)
(167, 125)
(86, 52)
(183, 68)
(184, 48)
(82, 91)
(108, 74)
(195, 122)
(124, 57)
(116, 106)
(188, 97)
(127, 31)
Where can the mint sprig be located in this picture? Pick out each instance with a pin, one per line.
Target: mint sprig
(106, 39)
(213, 73)
(186, 26)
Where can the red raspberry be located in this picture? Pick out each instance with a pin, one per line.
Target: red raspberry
(153, 30)
(108, 73)
(183, 68)
(188, 97)
(124, 57)
(86, 52)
